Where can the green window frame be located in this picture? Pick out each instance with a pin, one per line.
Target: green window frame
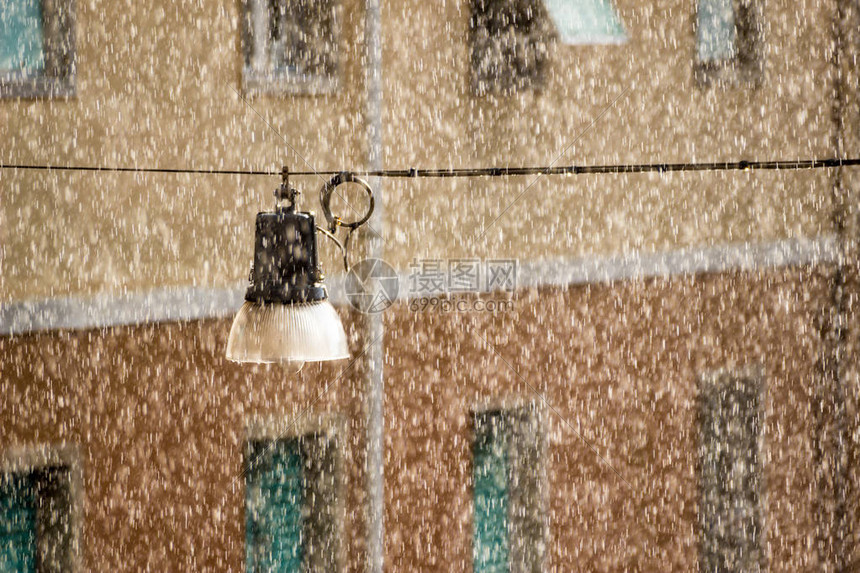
(716, 36)
(17, 523)
(491, 553)
(291, 503)
(36, 524)
(731, 413)
(508, 488)
(37, 49)
(21, 36)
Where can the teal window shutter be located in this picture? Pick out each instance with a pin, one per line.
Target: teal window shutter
(509, 529)
(292, 504)
(17, 524)
(22, 42)
(491, 549)
(716, 33)
(586, 21)
(274, 502)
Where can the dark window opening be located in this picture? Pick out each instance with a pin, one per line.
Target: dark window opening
(730, 515)
(508, 41)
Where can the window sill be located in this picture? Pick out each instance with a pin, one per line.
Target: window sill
(36, 87)
(728, 74)
(255, 83)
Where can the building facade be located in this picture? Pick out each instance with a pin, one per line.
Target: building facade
(645, 372)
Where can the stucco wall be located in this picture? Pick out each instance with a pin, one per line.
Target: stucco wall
(158, 416)
(155, 86)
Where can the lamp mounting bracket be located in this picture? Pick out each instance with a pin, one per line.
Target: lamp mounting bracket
(285, 192)
(325, 200)
(286, 196)
(334, 221)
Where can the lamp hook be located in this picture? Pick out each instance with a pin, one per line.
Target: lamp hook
(285, 192)
(325, 200)
(334, 221)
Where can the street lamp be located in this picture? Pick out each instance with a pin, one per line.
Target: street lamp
(287, 318)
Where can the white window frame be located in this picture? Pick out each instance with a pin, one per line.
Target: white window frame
(746, 67)
(258, 78)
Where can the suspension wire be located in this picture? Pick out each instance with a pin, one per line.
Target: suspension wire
(785, 165)
(106, 169)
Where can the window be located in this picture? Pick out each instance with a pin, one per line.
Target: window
(508, 528)
(586, 21)
(730, 473)
(291, 504)
(39, 509)
(290, 46)
(508, 44)
(37, 48)
(728, 42)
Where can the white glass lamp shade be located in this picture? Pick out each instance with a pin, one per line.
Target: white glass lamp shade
(290, 334)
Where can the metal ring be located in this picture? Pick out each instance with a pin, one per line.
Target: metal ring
(325, 200)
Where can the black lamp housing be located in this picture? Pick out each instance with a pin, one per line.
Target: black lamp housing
(286, 269)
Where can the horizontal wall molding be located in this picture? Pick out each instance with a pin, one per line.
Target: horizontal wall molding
(717, 259)
(193, 303)
(157, 305)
